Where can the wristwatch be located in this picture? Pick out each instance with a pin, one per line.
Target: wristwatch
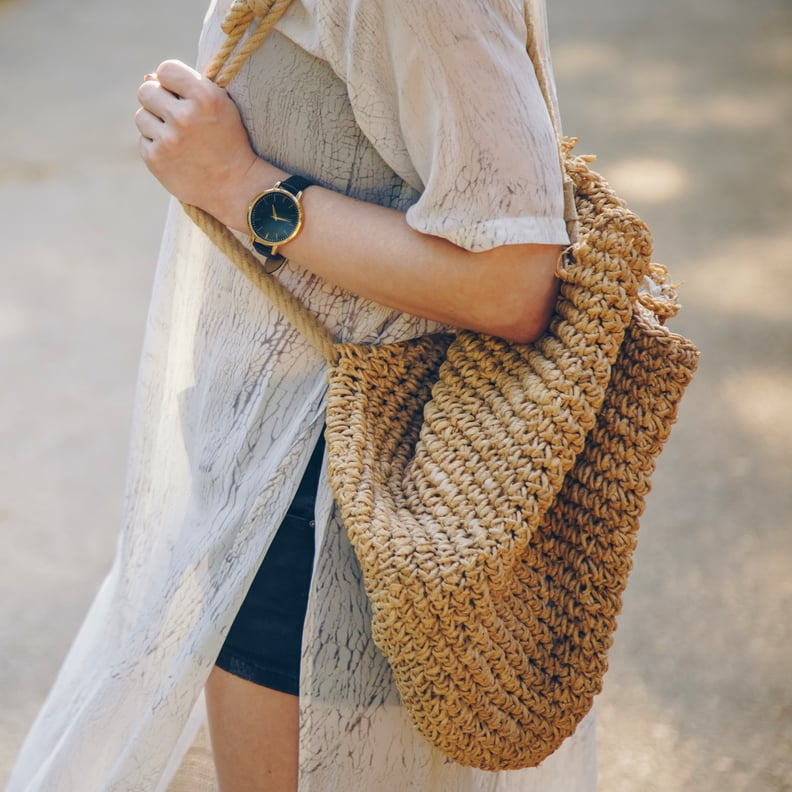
(275, 216)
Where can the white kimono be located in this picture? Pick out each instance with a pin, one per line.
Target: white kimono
(431, 108)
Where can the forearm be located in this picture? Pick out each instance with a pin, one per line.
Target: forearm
(371, 251)
(193, 141)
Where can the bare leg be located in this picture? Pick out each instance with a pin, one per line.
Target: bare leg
(254, 733)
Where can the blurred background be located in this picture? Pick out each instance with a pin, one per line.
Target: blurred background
(688, 106)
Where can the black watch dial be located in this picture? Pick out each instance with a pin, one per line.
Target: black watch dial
(275, 217)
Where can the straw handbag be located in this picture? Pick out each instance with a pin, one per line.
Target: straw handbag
(492, 490)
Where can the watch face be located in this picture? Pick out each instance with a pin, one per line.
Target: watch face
(275, 217)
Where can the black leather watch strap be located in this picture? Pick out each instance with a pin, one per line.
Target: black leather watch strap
(266, 251)
(295, 184)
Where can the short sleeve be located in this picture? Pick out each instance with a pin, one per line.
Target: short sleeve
(448, 96)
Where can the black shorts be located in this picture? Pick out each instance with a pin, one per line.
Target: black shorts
(264, 642)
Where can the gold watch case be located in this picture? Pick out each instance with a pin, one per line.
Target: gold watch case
(275, 217)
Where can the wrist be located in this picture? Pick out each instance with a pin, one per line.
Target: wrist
(233, 202)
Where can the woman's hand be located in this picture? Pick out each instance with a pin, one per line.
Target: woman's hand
(192, 138)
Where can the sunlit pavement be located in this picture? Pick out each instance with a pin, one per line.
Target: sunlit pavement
(687, 106)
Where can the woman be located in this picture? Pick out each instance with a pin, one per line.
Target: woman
(428, 176)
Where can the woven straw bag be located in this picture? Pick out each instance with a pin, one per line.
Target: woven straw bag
(492, 490)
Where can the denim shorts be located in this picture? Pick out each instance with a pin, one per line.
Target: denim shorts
(264, 643)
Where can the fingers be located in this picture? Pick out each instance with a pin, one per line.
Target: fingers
(157, 100)
(162, 97)
(172, 81)
(148, 124)
(176, 92)
(178, 78)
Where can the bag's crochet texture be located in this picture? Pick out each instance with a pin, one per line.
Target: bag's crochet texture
(492, 490)
(495, 525)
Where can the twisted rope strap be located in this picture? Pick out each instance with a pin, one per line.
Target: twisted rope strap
(257, 18)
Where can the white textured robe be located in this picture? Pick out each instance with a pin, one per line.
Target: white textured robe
(432, 109)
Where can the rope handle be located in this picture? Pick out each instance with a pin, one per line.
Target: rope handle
(256, 18)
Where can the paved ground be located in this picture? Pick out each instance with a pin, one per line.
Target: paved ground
(688, 106)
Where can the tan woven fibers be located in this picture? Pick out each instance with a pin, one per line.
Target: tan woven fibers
(492, 490)
(495, 525)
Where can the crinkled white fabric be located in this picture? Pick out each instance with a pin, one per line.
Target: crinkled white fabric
(430, 108)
